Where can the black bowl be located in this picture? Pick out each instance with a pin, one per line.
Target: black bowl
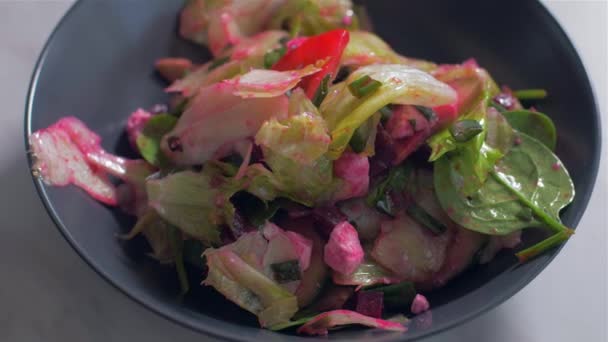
(98, 66)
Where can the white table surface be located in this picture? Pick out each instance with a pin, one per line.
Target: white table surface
(48, 294)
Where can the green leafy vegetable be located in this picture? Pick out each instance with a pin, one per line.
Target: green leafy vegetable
(529, 177)
(530, 94)
(148, 142)
(344, 113)
(286, 271)
(249, 288)
(302, 138)
(197, 203)
(534, 124)
(291, 324)
(465, 130)
(368, 273)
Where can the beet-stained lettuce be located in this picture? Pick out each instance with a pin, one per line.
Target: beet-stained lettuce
(320, 324)
(399, 84)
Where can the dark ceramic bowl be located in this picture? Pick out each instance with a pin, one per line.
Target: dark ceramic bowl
(98, 66)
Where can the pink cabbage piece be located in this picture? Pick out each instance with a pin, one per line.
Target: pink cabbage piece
(320, 324)
(295, 244)
(68, 152)
(269, 83)
(60, 159)
(353, 170)
(343, 251)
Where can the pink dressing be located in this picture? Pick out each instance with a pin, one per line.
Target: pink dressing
(320, 324)
(343, 251)
(420, 304)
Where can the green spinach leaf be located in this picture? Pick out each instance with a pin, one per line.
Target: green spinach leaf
(535, 124)
(528, 188)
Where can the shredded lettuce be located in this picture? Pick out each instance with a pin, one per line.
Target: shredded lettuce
(320, 324)
(344, 112)
(269, 83)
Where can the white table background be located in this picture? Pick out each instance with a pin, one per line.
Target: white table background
(48, 294)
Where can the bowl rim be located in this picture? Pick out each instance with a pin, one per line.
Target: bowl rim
(190, 323)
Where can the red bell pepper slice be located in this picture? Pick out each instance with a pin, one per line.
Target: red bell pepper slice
(327, 46)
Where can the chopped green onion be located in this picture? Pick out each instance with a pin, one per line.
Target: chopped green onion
(364, 86)
(428, 113)
(218, 62)
(465, 130)
(286, 271)
(421, 216)
(530, 94)
(272, 57)
(358, 140)
(322, 91)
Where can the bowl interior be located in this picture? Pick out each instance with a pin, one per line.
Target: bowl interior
(98, 66)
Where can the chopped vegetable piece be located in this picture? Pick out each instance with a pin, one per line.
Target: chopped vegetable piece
(465, 130)
(396, 296)
(327, 46)
(286, 271)
(353, 170)
(135, 125)
(420, 304)
(272, 57)
(364, 86)
(343, 252)
(320, 324)
(149, 141)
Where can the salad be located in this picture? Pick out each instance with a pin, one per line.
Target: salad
(315, 177)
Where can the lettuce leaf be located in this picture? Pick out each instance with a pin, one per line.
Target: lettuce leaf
(215, 119)
(365, 48)
(196, 202)
(312, 17)
(320, 324)
(344, 112)
(302, 137)
(249, 288)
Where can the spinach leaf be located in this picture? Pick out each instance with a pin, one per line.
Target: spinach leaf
(474, 158)
(530, 178)
(535, 124)
(148, 142)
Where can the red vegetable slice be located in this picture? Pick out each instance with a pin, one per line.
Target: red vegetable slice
(327, 46)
